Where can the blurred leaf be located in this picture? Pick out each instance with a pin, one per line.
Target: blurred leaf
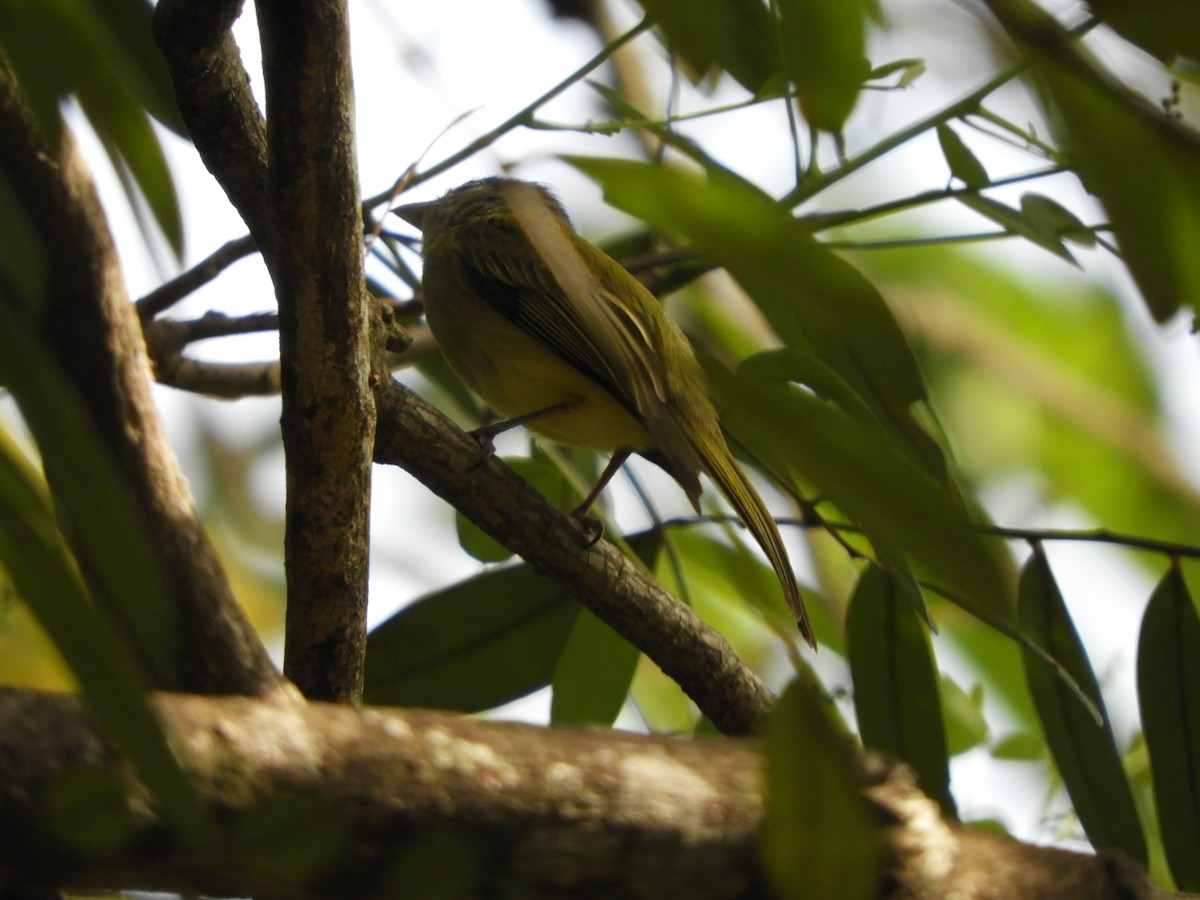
(739, 36)
(896, 695)
(22, 254)
(820, 839)
(141, 166)
(87, 809)
(962, 712)
(1144, 168)
(824, 56)
(662, 704)
(1020, 746)
(593, 675)
(860, 471)
(963, 163)
(473, 646)
(45, 574)
(106, 527)
(1168, 678)
(719, 572)
(1084, 749)
(1016, 222)
(817, 303)
(1163, 28)
(290, 839)
(910, 69)
(1055, 218)
(1078, 420)
(439, 861)
(102, 52)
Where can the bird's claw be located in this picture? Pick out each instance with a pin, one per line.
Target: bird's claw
(487, 447)
(593, 529)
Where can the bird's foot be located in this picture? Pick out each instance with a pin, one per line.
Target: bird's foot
(593, 529)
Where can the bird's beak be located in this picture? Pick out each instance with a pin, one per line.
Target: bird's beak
(414, 213)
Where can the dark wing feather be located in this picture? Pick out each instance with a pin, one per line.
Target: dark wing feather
(553, 294)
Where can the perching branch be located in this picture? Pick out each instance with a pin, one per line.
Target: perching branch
(418, 438)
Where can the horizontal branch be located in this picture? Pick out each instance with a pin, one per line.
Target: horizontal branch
(514, 808)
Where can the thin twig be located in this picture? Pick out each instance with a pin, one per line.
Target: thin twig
(168, 294)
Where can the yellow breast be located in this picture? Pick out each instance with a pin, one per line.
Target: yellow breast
(474, 338)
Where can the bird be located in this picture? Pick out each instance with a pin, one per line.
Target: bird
(556, 335)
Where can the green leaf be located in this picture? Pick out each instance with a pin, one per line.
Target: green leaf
(1055, 218)
(820, 839)
(290, 838)
(1020, 746)
(1144, 171)
(88, 810)
(824, 56)
(593, 674)
(141, 166)
(1164, 28)
(1015, 222)
(864, 475)
(473, 646)
(102, 52)
(107, 529)
(896, 697)
(22, 253)
(1015, 397)
(817, 303)
(963, 163)
(45, 574)
(1084, 749)
(966, 727)
(910, 70)
(1168, 679)
(739, 36)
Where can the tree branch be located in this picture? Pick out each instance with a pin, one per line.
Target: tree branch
(415, 436)
(506, 808)
(213, 93)
(328, 411)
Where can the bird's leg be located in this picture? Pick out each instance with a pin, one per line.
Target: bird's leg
(594, 528)
(485, 433)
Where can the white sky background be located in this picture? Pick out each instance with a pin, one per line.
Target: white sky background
(418, 65)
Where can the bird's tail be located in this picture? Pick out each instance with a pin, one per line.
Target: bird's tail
(737, 489)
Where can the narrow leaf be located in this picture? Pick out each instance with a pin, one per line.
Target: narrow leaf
(1083, 748)
(820, 839)
(962, 711)
(1016, 222)
(739, 36)
(896, 695)
(866, 476)
(824, 56)
(108, 531)
(473, 646)
(1056, 218)
(1143, 168)
(964, 165)
(41, 567)
(1168, 679)
(593, 674)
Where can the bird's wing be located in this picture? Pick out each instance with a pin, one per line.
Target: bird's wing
(554, 295)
